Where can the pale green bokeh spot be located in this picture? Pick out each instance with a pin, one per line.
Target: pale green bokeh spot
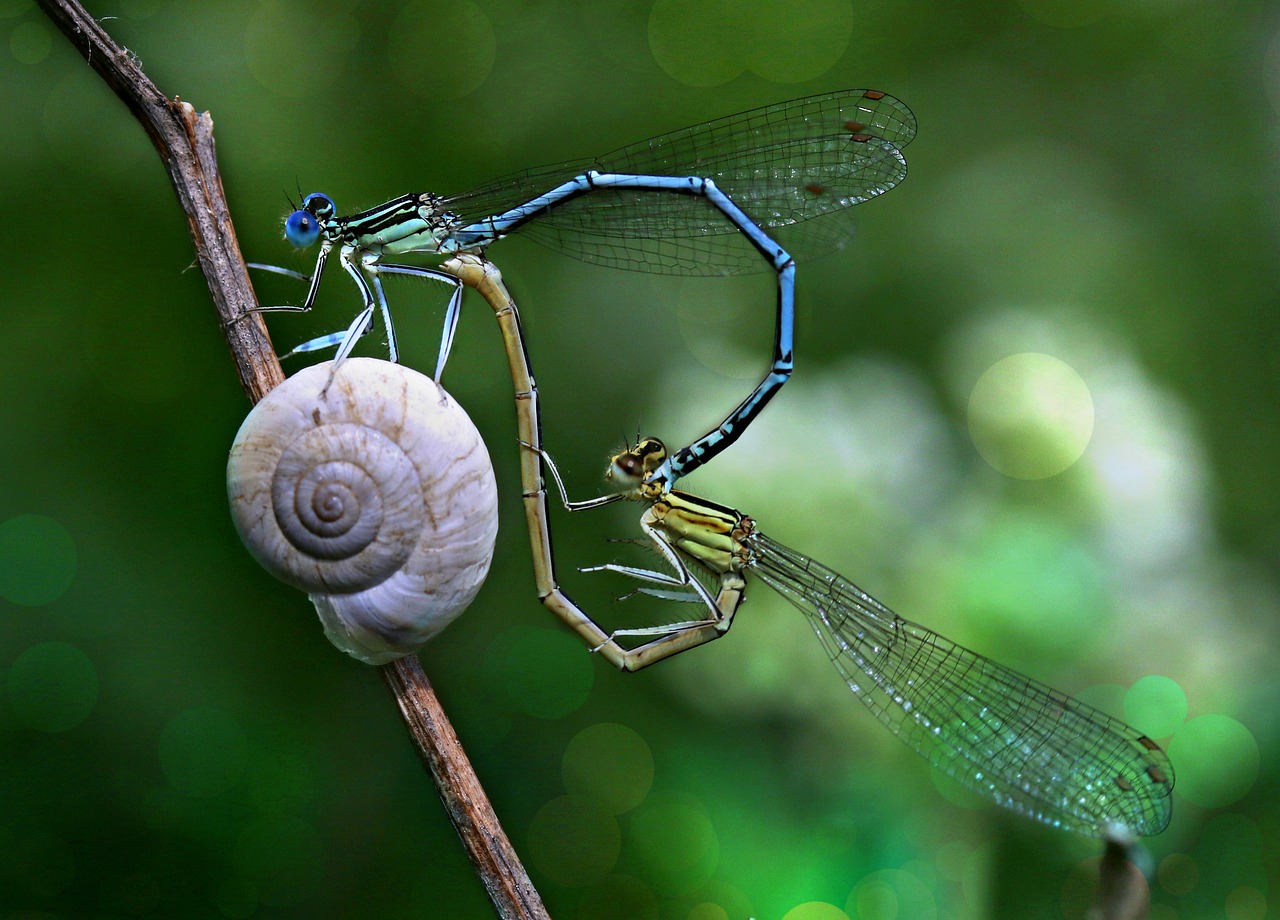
(710, 42)
(815, 910)
(293, 52)
(673, 836)
(203, 752)
(542, 672)
(708, 911)
(1246, 903)
(891, 894)
(30, 42)
(611, 764)
(442, 51)
(1216, 759)
(1030, 416)
(573, 841)
(1156, 705)
(37, 560)
(804, 40)
(53, 686)
(1178, 874)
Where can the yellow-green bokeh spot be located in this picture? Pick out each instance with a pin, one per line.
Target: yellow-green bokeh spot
(1156, 705)
(710, 42)
(815, 910)
(52, 686)
(573, 841)
(611, 764)
(1216, 759)
(675, 839)
(294, 50)
(1030, 416)
(442, 50)
(37, 560)
(891, 894)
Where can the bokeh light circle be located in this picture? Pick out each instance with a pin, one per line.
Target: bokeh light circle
(30, 42)
(52, 686)
(1216, 759)
(815, 910)
(543, 673)
(573, 841)
(1178, 873)
(293, 52)
(1245, 903)
(710, 42)
(1155, 704)
(442, 51)
(1030, 416)
(609, 763)
(891, 894)
(675, 839)
(203, 751)
(708, 911)
(37, 560)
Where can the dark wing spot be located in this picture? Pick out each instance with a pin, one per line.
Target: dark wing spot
(873, 94)
(853, 127)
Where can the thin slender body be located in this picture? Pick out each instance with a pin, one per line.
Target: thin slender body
(1012, 739)
(484, 277)
(708, 199)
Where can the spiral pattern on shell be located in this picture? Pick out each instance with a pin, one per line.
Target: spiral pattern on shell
(375, 495)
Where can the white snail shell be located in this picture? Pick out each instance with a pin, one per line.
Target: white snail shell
(376, 497)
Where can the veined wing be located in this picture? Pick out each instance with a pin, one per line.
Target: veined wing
(1012, 739)
(782, 164)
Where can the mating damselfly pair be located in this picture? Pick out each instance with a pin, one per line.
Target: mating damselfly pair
(701, 199)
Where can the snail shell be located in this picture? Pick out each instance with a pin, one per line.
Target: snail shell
(376, 496)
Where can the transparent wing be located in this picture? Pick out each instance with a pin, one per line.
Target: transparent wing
(1012, 739)
(782, 164)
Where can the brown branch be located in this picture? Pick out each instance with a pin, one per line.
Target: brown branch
(184, 139)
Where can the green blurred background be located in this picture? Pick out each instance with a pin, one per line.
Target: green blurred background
(1035, 408)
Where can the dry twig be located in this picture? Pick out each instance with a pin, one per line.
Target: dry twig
(184, 139)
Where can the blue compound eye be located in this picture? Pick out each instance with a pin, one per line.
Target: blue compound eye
(319, 204)
(301, 228)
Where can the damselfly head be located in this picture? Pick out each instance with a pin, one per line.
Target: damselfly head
(302, 227)
(629, 468)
